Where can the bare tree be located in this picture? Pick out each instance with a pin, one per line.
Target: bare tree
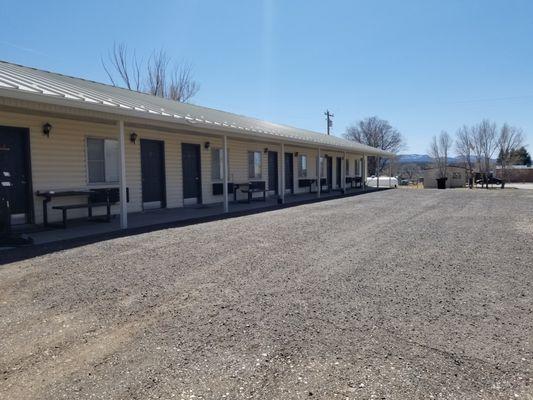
(410, 171)
(439, 148)
(509, 140)
(182, 86)
(485, 141)
(159, 76)
(375, 132)
(464, 147)
(125, 65)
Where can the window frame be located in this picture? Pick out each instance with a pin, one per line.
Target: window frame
(220, 151)
(322, 167)
(347, 167)
(301, 172)
(87, 174)
(255, 175)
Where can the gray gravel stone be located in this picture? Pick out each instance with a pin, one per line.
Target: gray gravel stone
(403, 294)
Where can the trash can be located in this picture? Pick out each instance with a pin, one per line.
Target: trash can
(441, 183)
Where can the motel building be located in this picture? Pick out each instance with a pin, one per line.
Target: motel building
(67, 143)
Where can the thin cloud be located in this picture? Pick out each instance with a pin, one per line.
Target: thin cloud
(22, 48)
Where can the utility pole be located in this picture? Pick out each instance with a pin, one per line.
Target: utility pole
(328, 119)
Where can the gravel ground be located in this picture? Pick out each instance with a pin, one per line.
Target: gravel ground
(402, 294)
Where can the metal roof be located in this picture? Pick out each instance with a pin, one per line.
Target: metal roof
(20, 82)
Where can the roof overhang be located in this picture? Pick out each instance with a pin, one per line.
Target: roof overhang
(75, 95)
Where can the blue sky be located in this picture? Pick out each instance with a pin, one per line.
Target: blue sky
(425, 66)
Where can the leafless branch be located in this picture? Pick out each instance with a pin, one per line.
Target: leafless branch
(159, 76)
(438, 150)
(376, 132)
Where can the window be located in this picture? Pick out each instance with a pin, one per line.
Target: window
(323, 168)
(347, 167)
(357, 167)
(302, 166)
(254, 164)
(102, 160)
(217, 164)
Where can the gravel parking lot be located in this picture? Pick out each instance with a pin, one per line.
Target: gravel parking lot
(402, 294)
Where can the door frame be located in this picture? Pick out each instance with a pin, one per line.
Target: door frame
(276, 175)
(163, 170)
(199, 199)
(329, 172)
(291, 188)
(30, 209)
(338, 173)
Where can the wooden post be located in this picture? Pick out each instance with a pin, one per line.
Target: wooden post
(318, 172)
(390, 173)
(282, 177)
(122, 177)
(225, 172)
(344, 173)
(364, 166)
(377, 171)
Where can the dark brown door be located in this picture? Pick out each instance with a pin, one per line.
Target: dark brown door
(273, 171)
(330, 172)
(192, 181)
(339, 172)
(15, 169)
(153, 173)
(289, 172)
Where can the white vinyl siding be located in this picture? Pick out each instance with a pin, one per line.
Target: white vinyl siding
(102, 160)
(61, 161)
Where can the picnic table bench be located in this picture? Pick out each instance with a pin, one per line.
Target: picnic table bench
(307, 182)
(105, 197)
(354, 181)
(253, 187)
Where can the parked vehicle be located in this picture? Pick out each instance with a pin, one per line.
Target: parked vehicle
(488, 179)
(384, 181)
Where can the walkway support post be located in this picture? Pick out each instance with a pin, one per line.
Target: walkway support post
(122, 177)
(225, 179)
(390, 173)
(282, 178)
(364, 165)
(318, 174)
(344, 173)
(377, 171)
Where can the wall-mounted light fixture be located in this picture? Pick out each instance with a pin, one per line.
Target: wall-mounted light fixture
(207, 145)
(265, 150)
(133, 137)
(47, 128)
(296, 154)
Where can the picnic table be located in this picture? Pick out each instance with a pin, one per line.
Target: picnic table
(249, 188)
(307, 182)
(48, 195)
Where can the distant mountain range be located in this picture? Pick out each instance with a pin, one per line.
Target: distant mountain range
(425, 159)
(414, 158)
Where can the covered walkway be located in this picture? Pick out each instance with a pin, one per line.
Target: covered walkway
(161, 218)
